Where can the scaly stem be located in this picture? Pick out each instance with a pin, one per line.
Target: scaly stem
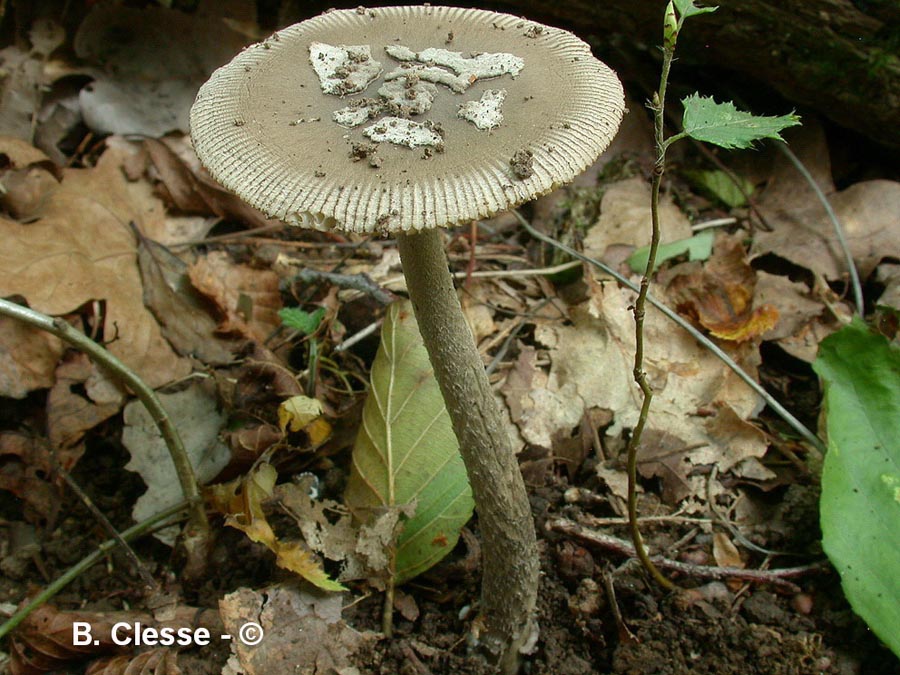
(640, 377)
(198, 536)
(510, 560)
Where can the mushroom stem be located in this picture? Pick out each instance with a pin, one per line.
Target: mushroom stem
(510, 563)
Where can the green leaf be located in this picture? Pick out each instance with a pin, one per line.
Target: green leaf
(305, 322)
(406, 451)
(698, 247)
(860, 503)
(687, 8)
(720, 186)
(724, 125)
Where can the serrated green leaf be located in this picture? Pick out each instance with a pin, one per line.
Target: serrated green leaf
(724, 125)
(860, 503)
(687, 8)
(406, 451)
(305, 322)
(719, 185)
(698, 247)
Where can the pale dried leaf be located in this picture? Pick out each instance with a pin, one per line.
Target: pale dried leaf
(150, 64)
(194, 412)
(625, 218)
(304, 632)
(591, 364)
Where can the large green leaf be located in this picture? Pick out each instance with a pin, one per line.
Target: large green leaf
(406, 451)
(687, 8)
(724, 125)
(860, 504)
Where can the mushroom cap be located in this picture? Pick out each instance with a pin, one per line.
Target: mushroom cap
(264, 127)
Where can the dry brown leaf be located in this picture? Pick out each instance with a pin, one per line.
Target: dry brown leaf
(304, 633)
(726, 554)
(24, 470)
(667, 457)
(21, 154)
(247, 298)
(28, 358)
(80, 250)
(719, 296)
(161, 661)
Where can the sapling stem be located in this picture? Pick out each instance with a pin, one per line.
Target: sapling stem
(510, 561)
(640, 377)
(198, 524)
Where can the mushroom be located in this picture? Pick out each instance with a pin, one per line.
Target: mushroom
(514, 109)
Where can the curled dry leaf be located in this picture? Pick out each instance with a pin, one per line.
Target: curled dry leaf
(241, 502)
(181, 311)
(160, 661)
(45, 642)
(720, 295)
(190, 192)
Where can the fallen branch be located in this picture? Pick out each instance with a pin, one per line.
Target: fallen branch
(778, 577)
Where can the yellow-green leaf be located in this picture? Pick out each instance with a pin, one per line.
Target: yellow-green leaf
(298, 411)
(406, 452)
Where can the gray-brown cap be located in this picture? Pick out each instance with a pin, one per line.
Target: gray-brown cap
(404, 118)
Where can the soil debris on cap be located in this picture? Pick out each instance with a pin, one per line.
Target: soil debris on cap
(522, 164)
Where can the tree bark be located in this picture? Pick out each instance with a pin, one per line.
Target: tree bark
(838, 57)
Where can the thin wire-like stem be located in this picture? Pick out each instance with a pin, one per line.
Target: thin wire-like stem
(838, 228)
(670, 314)
(139, 566)
(85, 564)
(183, 467)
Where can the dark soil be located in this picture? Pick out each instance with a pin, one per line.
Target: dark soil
(722, 629)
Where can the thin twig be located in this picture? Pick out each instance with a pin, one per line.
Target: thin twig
(85, 564)
(147, 396)
(777, 577)
(838, 228)
(779, 409)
